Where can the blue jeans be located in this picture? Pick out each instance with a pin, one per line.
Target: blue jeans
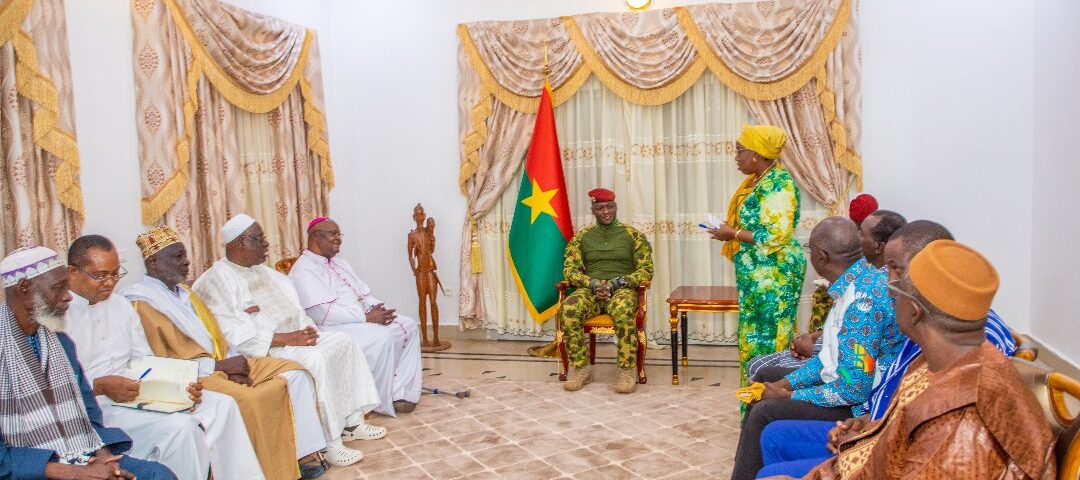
(794, 447)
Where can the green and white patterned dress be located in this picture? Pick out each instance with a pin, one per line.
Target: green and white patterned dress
(769, 273)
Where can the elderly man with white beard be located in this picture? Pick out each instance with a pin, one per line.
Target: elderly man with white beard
(51, 426)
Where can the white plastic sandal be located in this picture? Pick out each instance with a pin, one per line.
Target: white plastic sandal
(364, 432)
(342, 456)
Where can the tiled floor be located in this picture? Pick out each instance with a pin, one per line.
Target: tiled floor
(518, 422)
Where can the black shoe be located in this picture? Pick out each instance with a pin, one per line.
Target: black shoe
(313, 469)
(402, 406)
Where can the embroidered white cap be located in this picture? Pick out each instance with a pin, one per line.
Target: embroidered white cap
(26, 263)
(236, 226)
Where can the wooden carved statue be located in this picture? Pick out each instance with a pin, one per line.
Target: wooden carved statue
(422, 261)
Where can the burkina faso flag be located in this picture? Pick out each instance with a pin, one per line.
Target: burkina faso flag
(541, 226)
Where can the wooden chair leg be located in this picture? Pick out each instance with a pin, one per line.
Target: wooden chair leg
(565, 367)
(592, 349)
(641, 363)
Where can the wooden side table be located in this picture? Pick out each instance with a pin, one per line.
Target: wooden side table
(695, 299)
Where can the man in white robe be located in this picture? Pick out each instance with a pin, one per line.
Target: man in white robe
(260, 315)
(338, 301)
(108, 336)
(166, 261)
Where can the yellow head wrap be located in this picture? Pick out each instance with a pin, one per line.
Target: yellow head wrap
(765, 140)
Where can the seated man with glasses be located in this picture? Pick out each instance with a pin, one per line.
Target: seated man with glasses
(335, 297)
(108, 336)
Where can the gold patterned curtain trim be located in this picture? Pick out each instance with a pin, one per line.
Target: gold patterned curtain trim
(706, 58)
(525, 104)
(768, 90)
(31, 82)
(631, 93)
(843, 154)
(592, 63)
(235, 94)
(155, 207)
(12, 14)
(202, 64)
(316, 133)
(475, 139)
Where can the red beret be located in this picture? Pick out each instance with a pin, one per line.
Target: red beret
(861, 207)
(601, 195)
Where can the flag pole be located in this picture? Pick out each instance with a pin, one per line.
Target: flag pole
(550, 350)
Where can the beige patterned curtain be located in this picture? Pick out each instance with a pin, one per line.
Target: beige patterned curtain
(640, 152)
(795, 63)
(40, 198)
(229, 108)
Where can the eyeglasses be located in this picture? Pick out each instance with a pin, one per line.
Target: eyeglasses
(258, 240)
(330, 234)
(893, 288)
(104, 278)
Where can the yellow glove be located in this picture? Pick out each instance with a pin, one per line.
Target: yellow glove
(750, 394)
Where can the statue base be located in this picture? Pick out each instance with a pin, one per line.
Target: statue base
(435, 347)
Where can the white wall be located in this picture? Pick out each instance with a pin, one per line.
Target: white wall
(947, 126)
(390, 80)
(1055, 264)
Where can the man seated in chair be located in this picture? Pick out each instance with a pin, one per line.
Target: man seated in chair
(604, 264)
(961, 409)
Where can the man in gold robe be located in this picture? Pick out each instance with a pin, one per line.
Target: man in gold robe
(276, 396)
(961, 410)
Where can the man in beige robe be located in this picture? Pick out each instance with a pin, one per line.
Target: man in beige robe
(178, 325)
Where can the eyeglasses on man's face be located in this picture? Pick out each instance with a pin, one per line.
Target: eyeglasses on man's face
(258, 240)
(893, 287)
(102, 278)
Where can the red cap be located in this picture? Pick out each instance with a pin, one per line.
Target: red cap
(601, 195)
(861, 207)
(316, 221)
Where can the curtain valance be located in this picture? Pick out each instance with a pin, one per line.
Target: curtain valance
(255, 62)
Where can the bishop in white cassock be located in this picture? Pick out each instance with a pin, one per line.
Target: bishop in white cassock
(179, 325)
(108, 336)
(338, 301)
(260, 315)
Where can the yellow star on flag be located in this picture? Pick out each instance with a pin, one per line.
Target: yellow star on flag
(540, 201)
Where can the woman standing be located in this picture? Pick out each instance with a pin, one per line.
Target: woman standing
(759, 237)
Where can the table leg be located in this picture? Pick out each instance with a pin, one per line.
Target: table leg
(685, 342)
(674, 346)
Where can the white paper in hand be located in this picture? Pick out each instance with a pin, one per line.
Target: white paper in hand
(164, 388)
(712, 221)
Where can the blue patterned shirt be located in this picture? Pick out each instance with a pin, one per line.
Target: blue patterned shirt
(868, 341)
(997, 333)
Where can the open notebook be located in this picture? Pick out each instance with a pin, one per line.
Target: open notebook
(164, 389)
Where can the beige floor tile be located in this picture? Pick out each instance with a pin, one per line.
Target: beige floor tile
(452, 467)
(654, 465)
(501, 456)
(530, 470)
(524, 425)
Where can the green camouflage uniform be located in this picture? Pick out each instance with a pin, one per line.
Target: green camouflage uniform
(604, 252)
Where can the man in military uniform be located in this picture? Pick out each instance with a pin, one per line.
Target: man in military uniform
(604, 264)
